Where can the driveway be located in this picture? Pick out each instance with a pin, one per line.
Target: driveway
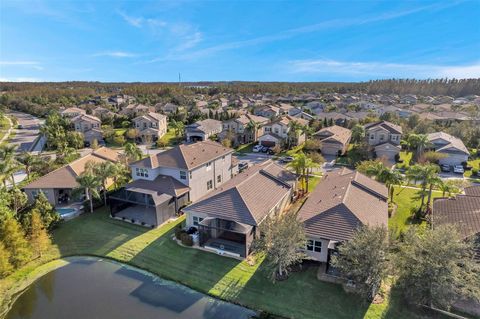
(252, 158)
(25, 137)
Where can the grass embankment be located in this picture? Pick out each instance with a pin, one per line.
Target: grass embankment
(301, 296)
(4, 126)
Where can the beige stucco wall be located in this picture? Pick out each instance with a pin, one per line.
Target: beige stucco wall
(323, 255)
(49, 193)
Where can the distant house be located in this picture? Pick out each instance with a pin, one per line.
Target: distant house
(151, 126)
(228, 218)
(133, 110)
(202, 130)
(240, 130)
(449, 145)
(73, 112)
(268, 111)
(90, 126)
(334, 139)
(167, 181)
(408, 99)
(335, 117)
(341, 203)
(384, 138)
(102, 112)
(59, 184)
(279, 131)
(168, 108)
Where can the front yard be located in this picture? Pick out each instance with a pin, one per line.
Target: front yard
(301, 296)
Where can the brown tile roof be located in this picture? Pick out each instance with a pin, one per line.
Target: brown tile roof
(462, 211)
(161, 185)
(338, 133)
(65, 177)
(246, 118)
(392, 128)
(453, 142)
(185, 156)
(343, 201)
(248, 197)
(87, 118)
(472, 191)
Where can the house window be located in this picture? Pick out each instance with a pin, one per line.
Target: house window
(209, 166)
(276, 130)
(141, 172)
(394, 137)
(219, 178)
(382, 137)
(197, 220)
(183, 175)
(372, 136)
(268, 129)
(190, 175)
(314, 245)
(209, 185)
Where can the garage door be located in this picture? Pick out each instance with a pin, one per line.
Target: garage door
(267, 143)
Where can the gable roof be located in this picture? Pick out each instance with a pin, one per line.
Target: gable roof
(246, 118)
(151, 116)
(162, 184)
(343, 201)
(248, 197)
(66, 176)
(87, 118)
(392, 128)
(452, 142)
(205, 126)
(337, 133)
(185, 156)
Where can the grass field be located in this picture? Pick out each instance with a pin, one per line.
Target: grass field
(169, 139)
(405, 199)
(301, 296)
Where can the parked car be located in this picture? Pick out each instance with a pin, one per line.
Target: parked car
(458, 169)
(286, 159)
(445, 168)
(270, 151)
(257, 148)
(242, 166)
(265, 149)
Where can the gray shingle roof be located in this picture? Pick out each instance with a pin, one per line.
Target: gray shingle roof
(392, 128)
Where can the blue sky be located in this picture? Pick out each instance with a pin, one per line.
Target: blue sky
(238, 40)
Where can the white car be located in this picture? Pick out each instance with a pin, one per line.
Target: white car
(458, 169)
(257, 148)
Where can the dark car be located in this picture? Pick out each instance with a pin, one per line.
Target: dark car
(242, 166)
(264, 149)
(270, 151)
(445, 168)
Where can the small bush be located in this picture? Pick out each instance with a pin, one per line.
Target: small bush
(474, 171)
(178, 233)
(186, 239)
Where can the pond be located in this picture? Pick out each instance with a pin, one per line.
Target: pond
(94, 288)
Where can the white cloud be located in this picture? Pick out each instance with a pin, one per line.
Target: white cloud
(381, 69)
(136, 22)
(21, 79)
(116, 54)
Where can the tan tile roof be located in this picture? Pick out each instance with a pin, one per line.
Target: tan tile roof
(87, 118)
(472, 191)
(343, 201)
(246, 118)
(248, 197)
(186, 156)
(74, 110)
(65, 177)
(452, 142)
(462, 211)
(338, 133)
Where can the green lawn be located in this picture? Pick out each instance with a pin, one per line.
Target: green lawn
(169, 139)
(406, 157)
(244, 148)
(301, 296)
(4, 126)
(405, 199)
(475, 164)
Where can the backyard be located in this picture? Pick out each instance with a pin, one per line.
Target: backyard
(301, 296)
(405, 198)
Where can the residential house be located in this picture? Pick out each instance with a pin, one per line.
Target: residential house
(72, 112)
(202, 130)
(167, 181)
(133, 110)
(334, 140)
(151, 126)
(168, 108)
(102, 112)
(59, 184)
(456, 152)
(90, 126)
(228, 218)
(341, 203)
(462, 211)
(408, 99)
(279, 132)
(335, 117)
(242, 130)
(268, 111)
(384, 139)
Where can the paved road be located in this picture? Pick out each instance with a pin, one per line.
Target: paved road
(26, 136)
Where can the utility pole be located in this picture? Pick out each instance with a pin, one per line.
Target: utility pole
(179, 79)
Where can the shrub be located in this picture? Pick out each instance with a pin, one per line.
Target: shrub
(186, 239)
(178, 233)
(475, 172)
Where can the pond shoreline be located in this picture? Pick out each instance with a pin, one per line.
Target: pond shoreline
(14, 292)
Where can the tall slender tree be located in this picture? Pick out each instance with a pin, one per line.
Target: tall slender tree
(89, 185)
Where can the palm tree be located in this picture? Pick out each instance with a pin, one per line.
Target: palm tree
(427, 175)
(88, 185)
(133, 152)
(8, 164)
(391, 178)
(121, 174)
(104, 171)
(252, 127)
(29, 161)
(178, 126)
(294, 131)
(418, 142)
(302, 164)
